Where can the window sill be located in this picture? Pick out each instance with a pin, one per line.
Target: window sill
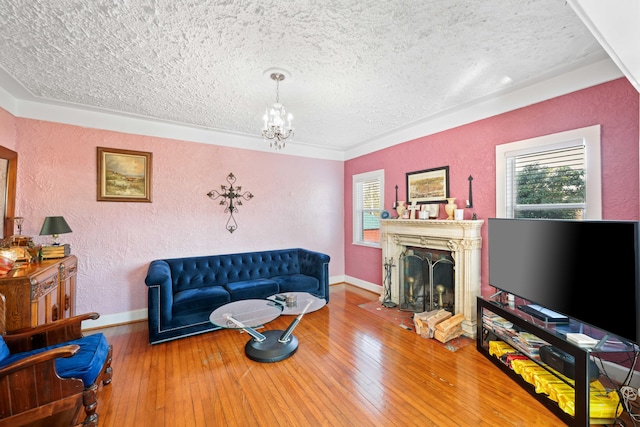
(368, 245)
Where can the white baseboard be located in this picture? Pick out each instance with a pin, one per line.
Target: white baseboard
(619, 373)
(334, 280)
(115, 319)
(364, 285)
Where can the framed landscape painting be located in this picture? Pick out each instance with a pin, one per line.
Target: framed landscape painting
(124, 175)
(428, 186)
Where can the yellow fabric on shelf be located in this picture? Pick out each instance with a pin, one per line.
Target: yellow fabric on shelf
(499, 348)
(601, 404)
(544, 381)
(529, 373)
(556, 390)
(520, 365)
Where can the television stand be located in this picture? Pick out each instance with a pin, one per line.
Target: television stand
(543, 314)
(509, 338)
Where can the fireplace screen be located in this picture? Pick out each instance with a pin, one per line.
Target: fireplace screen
(426, 280)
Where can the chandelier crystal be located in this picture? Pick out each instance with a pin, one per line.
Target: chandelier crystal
(277, 122)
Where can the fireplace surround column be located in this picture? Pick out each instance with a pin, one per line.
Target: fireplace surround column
(461, 238)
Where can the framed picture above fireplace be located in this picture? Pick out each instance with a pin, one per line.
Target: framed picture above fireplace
(428, 186)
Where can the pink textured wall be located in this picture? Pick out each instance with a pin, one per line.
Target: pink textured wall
(7, 130)
(297, 203)
(470, 150)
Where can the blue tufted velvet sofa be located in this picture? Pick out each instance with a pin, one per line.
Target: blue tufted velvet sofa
(183, 292)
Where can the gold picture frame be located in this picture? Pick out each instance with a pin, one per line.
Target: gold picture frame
(428, 186)
(124, 175)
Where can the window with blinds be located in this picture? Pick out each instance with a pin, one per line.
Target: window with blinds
(555, 176)
(367, 204)
(547, 184)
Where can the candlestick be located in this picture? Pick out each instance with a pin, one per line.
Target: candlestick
(395, 204)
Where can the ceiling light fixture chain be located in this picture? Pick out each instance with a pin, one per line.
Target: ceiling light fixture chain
(277, 123)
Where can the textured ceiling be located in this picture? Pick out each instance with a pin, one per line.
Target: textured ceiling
(358, 69)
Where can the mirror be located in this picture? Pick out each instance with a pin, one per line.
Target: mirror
(8, 176)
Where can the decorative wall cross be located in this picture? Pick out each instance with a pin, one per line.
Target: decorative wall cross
(231, 198)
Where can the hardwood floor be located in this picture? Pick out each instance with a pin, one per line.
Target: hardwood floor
(351, 368)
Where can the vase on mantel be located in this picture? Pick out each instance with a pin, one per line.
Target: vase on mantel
(400, 208)
(450, 207)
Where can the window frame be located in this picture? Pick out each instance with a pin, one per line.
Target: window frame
(358, 225)
(587, 136)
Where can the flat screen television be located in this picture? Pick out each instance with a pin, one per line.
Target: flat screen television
(587, 270)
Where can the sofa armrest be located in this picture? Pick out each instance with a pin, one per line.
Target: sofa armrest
(160, 284)
(316, 264)
(158, 273)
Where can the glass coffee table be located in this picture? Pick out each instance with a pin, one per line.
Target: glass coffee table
(246, 314)
(270, 346)
(294, 303)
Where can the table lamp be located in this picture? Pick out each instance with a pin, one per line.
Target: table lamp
(19, 239)
(54, 226)
(19, 221)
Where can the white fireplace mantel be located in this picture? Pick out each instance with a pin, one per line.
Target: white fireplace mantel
(461, 238)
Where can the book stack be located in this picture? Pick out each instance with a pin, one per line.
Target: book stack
(529, 343)
(582, 340)
(523, 341)
(493, 321)
(55, 251)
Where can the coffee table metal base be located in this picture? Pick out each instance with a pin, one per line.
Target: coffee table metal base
(271, 349)
(271, 346)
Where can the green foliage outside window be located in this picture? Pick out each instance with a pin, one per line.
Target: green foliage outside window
(537, 185)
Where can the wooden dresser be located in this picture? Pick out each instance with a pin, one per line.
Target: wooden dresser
(40, 292)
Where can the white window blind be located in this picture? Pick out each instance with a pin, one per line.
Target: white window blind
(547, 184)
(367, 204)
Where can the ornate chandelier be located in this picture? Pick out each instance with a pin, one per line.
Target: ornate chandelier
(277, 123)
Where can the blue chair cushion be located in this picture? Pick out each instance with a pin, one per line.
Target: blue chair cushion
(86, 364)
(4, 350)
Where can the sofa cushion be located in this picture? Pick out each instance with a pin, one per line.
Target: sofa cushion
(297, 283)
(199, 299)
(252, 289)
(86, 364)
(192, 273)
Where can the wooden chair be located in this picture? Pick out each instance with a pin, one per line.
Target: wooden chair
(43, 371)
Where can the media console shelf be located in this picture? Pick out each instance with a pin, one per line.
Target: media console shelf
(514, 341)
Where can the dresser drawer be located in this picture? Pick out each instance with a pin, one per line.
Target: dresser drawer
(44, 283)
(68, 268)
(67, 284)
(44, 296)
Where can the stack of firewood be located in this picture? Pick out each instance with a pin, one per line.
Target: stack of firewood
(438, 324)
(426, 322)
(450, 328)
